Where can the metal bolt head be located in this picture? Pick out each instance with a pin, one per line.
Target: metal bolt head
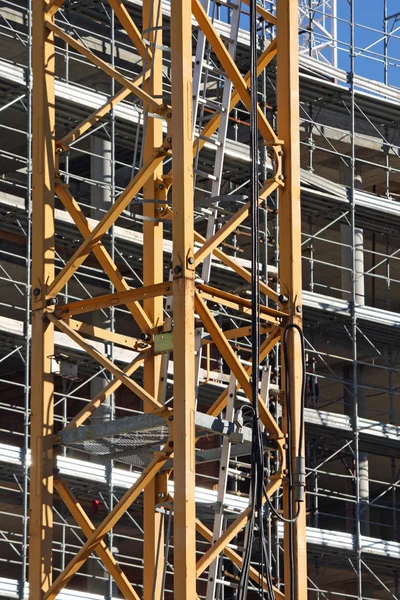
(36, 292)
(298, 309)
(170, 418)
(191, 260)
(177, 269)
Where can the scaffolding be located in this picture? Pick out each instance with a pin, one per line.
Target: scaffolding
(114, 382)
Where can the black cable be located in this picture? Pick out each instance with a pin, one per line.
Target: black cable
(258, 471)
(257, 456)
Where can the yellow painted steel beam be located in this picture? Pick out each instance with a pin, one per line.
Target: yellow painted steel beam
(183, 302)
(237, 560)
(237, 306)
(104, 258)
(42, 387)
(232, 531)
(105, 527)
(291, 271)
(217, 294)
(107, 221)
(234, 364)
(106, 335)
(240, 332)
(105, 362)
(153, 273)
(233, 223)
(231, 69)
(265, 14)
(213, 124)
(108, 560)
(105, 392)
(265, 349)
(65, 142)
(229, 261)
(126, 83)
(81, 307)
(52, 6)
(131, 29)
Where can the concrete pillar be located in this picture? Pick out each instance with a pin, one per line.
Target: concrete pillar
(346, 284)
(100, 201)
(347, 241)
(347, 263)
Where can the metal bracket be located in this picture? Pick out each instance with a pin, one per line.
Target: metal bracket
(163, 342)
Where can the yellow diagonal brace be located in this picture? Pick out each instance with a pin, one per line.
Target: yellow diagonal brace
(93, 118)
(103, 529)
(106, 363)
(236, 367)
(267, 16)
(229, 261)
(106, 222)
(105, 392)
(53, 6)
(213, 124)
(237, 560)
(230, 226)
(232, 531)
(104, 334)
(235, 300)
(102, 551)
(265, 349)
(231, 69)
(130, 27)
(105, 260)
(127, 83)
(239, 332)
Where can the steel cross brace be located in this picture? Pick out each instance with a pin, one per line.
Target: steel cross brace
(105, 555)
(98, 535)
(106, 222)
(213, 124)
(105, 362)
(234, 364)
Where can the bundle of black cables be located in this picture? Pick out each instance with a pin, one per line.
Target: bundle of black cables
(258, 468)
(257, 456)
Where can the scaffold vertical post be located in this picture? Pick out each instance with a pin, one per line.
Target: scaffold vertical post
(183, 307)
(42, 389)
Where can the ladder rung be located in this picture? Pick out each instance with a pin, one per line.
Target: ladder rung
(212, 141)
(207, 175)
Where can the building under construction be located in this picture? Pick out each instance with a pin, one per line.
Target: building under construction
(199, 299)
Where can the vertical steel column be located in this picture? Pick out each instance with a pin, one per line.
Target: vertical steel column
(152, 273)
(295, 564)
(43, 167)
(183, 294)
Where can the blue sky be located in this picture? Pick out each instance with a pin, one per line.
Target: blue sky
(369, 31)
